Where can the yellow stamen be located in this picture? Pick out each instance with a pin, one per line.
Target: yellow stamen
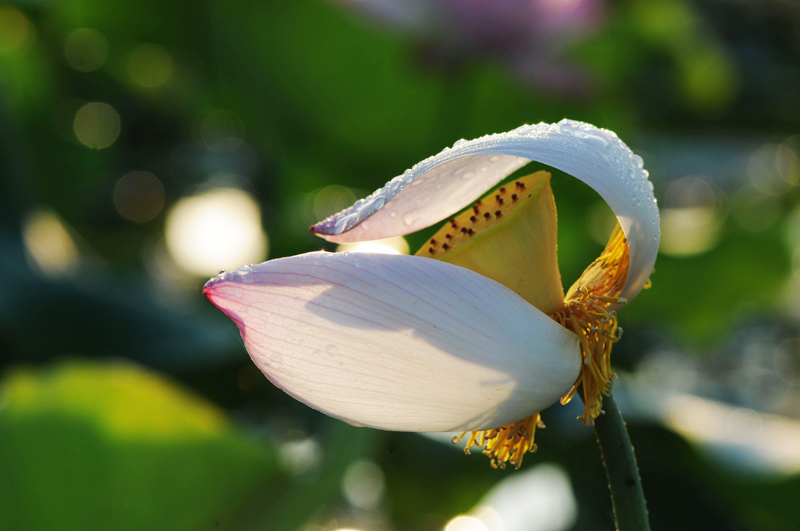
(586, 313)
(509, 236)
(508, 444)
(515, 245)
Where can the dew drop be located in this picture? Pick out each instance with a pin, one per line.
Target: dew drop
(244, 272)
(410, 218)
(353, 283)
(494, 158)
(332, 349)
(596, 141)
(379, 202)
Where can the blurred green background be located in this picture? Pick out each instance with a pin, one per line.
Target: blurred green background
(146, 145)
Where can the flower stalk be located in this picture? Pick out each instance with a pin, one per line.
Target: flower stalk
(624, 482)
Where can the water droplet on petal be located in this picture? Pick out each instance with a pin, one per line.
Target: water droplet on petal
(332, 349)
(410, 218)
(596, 142)
(353, 283)
(242, 273)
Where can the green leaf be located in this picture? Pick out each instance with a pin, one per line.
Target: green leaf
(112, 446)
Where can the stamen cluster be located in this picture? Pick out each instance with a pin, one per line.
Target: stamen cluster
(586, 312)
(506, 444)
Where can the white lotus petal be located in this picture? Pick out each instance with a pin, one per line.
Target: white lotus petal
(445, 183)
(398, 342)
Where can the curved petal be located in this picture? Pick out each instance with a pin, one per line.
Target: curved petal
(398, 342)
(445, 183)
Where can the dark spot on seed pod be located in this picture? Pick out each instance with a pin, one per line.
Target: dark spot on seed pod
(487, 215)
(498, 214)
(445, 246)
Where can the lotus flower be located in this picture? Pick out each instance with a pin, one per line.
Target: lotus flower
(474, 334)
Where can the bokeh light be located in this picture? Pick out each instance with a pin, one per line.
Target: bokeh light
(85, 49)
(744, 425)
(97, 125)
(49, 244)
(363, 485)
(322, 202)
(754, 211)
(16, 31)
(139, 196)
(693, 213)
(300, 455)
(465, 523)
(763, 441)
(396, 245)
(787, 361)
(218, 229)
(538, 499)
(791, 231)
(220, 131)
(149, 65)
(774, 169)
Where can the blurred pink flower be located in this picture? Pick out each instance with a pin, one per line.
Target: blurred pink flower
(531, 37)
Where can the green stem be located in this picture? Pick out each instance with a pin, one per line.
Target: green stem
(627, 496)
